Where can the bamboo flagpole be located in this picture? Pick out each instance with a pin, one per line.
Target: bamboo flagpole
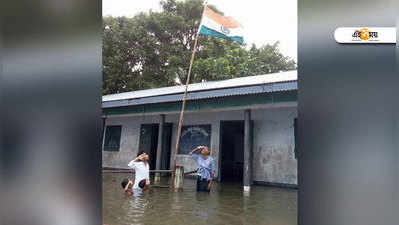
(182, 111)
(216, 25)
(181, 119)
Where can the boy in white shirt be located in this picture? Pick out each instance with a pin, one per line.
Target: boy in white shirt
(142, 174)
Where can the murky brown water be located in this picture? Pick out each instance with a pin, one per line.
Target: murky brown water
(224, 205)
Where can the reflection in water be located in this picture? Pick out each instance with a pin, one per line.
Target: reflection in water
(226, 204)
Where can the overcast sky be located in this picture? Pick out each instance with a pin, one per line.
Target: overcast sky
(264, 21)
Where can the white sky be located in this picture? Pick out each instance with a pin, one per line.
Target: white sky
(264, 21)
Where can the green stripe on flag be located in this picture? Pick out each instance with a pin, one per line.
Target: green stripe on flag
(206, 31)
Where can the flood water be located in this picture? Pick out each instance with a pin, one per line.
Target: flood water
(226, 204)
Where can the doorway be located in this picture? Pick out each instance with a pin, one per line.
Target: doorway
(166, 148)
(149, 143)
(232, 151)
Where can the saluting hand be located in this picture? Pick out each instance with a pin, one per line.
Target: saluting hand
(140, 157)
(196, 149)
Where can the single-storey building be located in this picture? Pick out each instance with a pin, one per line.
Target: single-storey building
(248, 123)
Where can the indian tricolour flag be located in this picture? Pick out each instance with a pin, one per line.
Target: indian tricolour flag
(216, 25)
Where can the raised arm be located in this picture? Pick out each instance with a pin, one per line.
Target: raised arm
(196, 149)
(195, 156)
(130, 183)
(131, 163)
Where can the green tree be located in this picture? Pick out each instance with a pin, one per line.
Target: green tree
(153, 49)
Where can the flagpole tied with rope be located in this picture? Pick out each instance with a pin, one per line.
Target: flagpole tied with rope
(212, 24)
(181, 119)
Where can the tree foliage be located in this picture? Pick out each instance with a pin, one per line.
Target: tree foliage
(153, 49)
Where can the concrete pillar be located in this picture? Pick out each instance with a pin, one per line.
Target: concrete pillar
(157, 177)
(179, 178)
(247, 151)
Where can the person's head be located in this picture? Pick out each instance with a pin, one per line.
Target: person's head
(124, 183)
(143, 184)
(145, 158)
(205, 152)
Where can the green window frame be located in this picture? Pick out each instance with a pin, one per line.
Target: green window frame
(112, 138)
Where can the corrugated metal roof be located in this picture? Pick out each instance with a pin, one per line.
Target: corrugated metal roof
(205, 86)
(255, 89)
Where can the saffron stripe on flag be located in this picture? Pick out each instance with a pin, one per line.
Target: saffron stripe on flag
(225, 21)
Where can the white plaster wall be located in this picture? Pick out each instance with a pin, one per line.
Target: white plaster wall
(273, 147)
(129, 140)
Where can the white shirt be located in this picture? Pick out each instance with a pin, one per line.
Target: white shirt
(142, 172)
